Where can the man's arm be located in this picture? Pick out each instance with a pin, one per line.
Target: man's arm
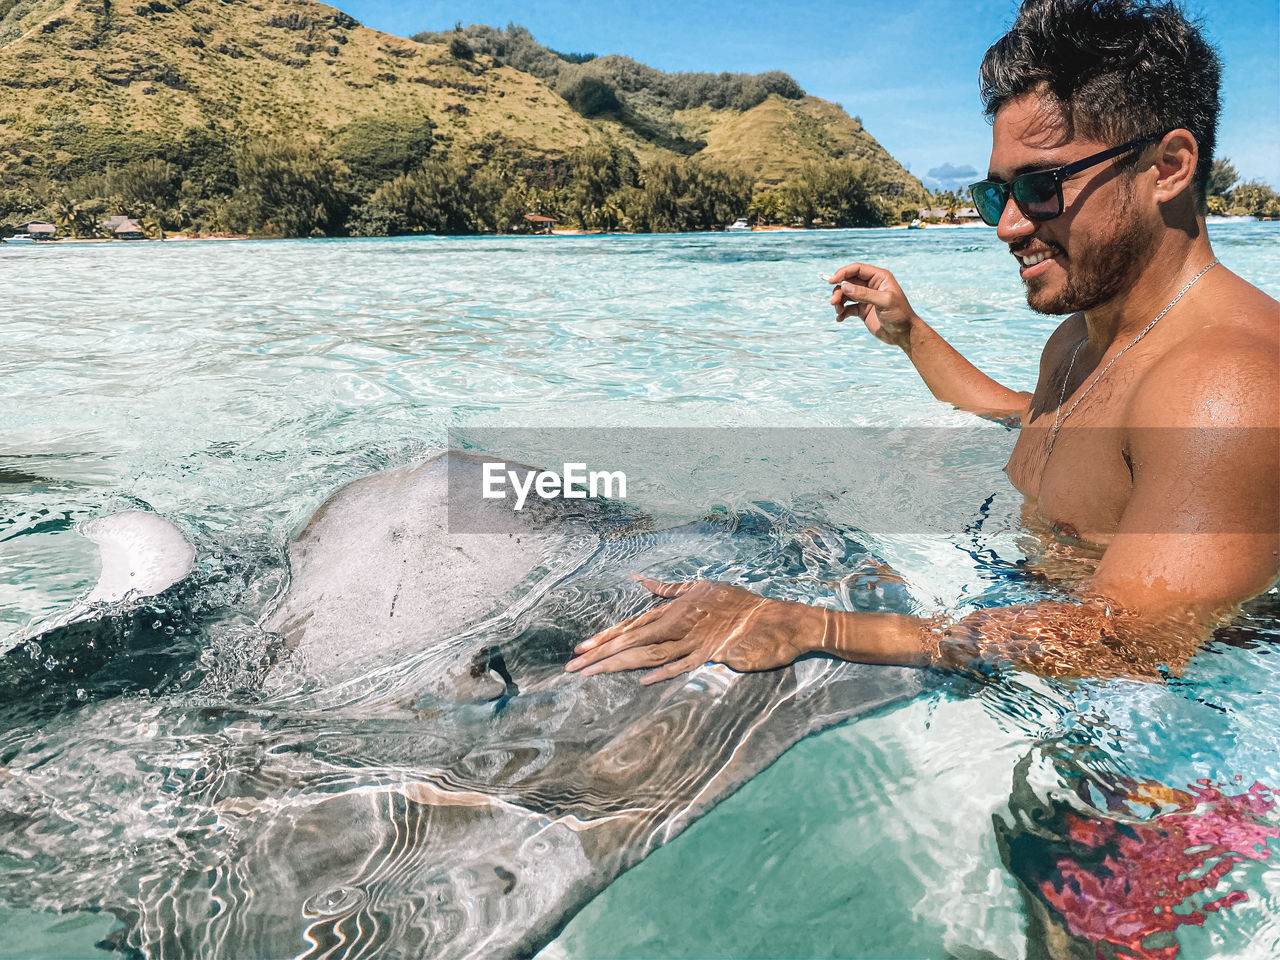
(1202, 527)
(873, 295)
(1201, 532)
(709, 621)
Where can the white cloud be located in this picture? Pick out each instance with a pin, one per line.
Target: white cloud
(949, 176)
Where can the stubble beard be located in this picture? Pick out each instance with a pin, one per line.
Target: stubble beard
(1099, 273)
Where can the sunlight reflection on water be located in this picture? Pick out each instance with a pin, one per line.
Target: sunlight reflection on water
(233, 386)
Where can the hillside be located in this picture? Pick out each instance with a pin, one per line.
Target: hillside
(289, 118)
(260, 66)
(266, 66)
(763, 124)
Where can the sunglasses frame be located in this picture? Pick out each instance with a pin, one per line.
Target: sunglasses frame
(1056, 175)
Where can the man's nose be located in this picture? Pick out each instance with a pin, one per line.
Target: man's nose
(1013, 224)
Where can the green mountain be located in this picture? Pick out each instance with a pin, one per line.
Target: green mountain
(250, 66)
(762, 124)
(197, 108)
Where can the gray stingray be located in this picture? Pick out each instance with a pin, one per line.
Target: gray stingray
(420, 777)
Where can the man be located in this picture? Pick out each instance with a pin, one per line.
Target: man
(1152, 429)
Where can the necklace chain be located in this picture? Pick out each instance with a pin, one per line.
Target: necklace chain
(1059, 418)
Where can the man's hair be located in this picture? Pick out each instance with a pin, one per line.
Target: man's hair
(1117, 69)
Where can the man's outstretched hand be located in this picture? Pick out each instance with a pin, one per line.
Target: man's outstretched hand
(705, 621)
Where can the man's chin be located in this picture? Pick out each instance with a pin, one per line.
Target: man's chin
(1048, 300)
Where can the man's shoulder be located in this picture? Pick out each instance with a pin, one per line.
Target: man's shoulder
(1223, 371)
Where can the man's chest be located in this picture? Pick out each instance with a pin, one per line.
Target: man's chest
(1082, 487)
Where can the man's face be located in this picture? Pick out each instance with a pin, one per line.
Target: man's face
(1097, 246)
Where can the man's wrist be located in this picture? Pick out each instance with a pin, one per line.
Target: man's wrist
(816, 629)
(884, 638)
(914, 326)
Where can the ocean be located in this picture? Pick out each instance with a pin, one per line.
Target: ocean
(233, 386)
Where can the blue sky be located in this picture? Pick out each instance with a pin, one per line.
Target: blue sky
(909, 70)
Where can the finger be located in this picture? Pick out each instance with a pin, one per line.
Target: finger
(673, 669)
(652, 655)
(658, 631)
(857, 271)
(663, 588)
(638, 620)
(847, 310)
(861, 293)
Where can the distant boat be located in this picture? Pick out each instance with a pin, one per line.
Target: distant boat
(20, 238)
(741, 225)
(915, 224)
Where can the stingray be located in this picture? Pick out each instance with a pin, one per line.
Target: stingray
(417, 776)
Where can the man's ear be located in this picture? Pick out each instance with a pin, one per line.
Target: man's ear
(1175, 163)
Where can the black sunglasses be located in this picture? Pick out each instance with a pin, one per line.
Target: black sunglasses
(1039, 194)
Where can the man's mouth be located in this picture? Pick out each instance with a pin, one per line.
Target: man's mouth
(1029, 260)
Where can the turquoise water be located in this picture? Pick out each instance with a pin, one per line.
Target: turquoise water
(233, 386)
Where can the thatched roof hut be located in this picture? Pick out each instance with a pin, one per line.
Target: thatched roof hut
(122, 228)
(38, 230)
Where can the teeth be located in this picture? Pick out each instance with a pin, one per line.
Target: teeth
(1034, 259)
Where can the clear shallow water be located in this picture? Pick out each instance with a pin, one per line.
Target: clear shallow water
(232, 387)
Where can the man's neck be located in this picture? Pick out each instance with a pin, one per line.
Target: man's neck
(1171, 263)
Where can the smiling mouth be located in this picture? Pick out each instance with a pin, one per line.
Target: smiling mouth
(1029, 261)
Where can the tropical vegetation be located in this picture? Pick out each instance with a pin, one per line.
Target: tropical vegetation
(383, 178)
(1228, 196)
(288, 118)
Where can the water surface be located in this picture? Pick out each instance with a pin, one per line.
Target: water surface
(233, 386)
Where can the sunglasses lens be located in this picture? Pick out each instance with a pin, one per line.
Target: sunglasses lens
(1037, 196)
(989, 199)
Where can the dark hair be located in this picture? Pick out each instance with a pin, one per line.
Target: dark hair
(1117, 69)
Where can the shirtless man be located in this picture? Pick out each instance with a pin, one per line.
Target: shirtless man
(1153, 427)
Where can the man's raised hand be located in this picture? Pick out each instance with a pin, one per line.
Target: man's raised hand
(871, 294)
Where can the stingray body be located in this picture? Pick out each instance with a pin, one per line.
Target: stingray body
(420, 777)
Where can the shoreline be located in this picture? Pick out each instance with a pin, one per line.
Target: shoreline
(935, 226)
(190, 238)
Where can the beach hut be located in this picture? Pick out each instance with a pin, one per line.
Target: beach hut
(38, 230)
(122, 228)
(541, 223)
(130, 230)
(952, 215)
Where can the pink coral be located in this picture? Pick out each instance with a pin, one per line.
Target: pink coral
(1152, 871)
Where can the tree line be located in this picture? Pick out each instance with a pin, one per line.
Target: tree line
(515, 47)
(385, 177)
(1228, 196)
(1225, 194)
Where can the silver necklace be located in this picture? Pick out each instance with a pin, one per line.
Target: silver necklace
(1059, 418)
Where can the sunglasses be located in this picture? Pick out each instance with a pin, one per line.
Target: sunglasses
(1039, 194)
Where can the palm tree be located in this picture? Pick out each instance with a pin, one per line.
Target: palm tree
(71, 216)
